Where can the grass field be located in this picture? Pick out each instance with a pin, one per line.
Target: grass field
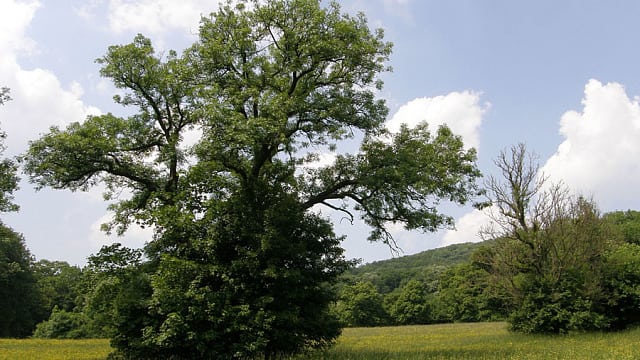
(39, 349)
(477, 341)
(451, 341)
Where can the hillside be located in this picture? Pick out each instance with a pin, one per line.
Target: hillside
(390, 274)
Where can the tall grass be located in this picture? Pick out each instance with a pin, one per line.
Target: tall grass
(42, 349)
(476, 341)
(451, 341)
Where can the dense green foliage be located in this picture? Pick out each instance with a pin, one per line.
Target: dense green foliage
(435, 286)
(387, 275)
(60, 284)
(64, 324)
(241, 265)
(19, 298)
(412, 305)
(627, 222)
(360, 304)
(555, 256)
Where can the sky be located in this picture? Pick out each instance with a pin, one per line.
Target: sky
(560, 76)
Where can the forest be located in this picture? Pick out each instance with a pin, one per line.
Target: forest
(444, 285)
(241, 265)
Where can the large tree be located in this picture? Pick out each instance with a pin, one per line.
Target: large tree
(240, 259)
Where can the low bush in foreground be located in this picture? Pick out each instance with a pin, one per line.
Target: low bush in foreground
(450, 341)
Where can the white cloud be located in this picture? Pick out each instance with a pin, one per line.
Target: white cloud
(599, 156)
(39, 99)
(15, 16)
(157, 16)
(467, 228)
(461, 111)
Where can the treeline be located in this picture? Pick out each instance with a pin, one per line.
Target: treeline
(553, 264)
(436, 286)
(53, 299)
(461, 283)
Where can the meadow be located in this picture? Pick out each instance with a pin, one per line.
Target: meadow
(477, 341)
(42, 349)
(449, 341)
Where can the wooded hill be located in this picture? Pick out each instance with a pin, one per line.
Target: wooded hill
(390, 274)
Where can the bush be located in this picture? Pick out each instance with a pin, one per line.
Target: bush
(63, 325)
(552, 308)
(622, 282)
(413, 305)
(360, 304)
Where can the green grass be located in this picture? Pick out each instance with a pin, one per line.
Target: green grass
(41, 349)
(476, 341)
(451, 341)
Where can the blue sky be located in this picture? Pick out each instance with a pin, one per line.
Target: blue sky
(561, 76)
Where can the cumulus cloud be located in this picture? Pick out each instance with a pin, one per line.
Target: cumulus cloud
(467, 228)
(39, 99)
(600, 152)
(461, 111)
(157, 16)
(14, 18)
(598, 157)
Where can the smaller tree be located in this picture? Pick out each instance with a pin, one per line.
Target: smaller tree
(19, 299)
(627, 222)
(360, 304)
(58, 283)
(412, 305)
(20, 304)
(467, 295)
(116, 285)
(622, 285)
(549, 250)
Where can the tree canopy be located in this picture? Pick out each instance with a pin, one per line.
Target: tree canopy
(221, 160)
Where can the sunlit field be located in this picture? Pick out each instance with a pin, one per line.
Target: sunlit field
(451, 341)
(40, 349)
(477, 341)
